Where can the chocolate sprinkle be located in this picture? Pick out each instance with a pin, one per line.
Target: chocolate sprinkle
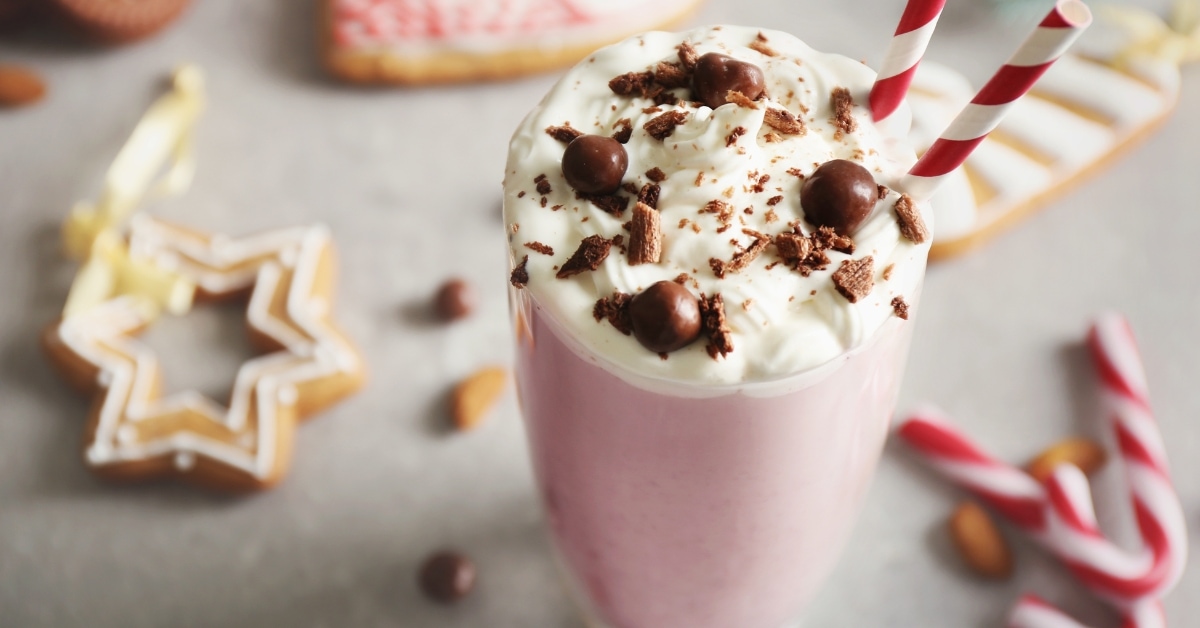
(544, 249)
(624, 132)
(843, 111)
(563, 133)
(783, 121)
(656, 174)
(645, 236)
(661, 127)
(900, 308)
(912, 227)
(712, 318)
(592, 252)
(520, 277)
(854, 279)
(615, 309)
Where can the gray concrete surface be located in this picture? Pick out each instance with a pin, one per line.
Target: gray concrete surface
(409, 182)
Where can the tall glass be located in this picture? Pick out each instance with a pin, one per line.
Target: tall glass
(676, 505)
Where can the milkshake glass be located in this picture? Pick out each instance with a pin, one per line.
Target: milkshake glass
(713, 483)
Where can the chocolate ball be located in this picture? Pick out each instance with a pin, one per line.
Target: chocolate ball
(665, 317)
(840, 194)
(455, 299)
(595, 164)
(447, 576)
(717, 74)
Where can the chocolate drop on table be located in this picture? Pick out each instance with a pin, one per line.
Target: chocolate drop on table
(455, 299)
(595, 164)
(665, 317)
(840, 195)
(717, 74)
(447, 576)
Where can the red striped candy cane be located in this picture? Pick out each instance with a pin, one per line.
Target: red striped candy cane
(1032, 611)
(1061, 27)
(903, 55)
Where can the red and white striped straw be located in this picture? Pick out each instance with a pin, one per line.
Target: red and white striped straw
(1061, 27)
(903, 55)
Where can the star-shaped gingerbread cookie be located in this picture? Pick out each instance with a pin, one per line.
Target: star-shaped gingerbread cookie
(307, 364)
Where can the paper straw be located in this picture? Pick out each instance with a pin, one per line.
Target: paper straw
(903, 55)
(1061, 27)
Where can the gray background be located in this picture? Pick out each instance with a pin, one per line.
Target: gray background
(409, 180)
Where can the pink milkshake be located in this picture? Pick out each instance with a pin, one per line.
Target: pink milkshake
(712, 285)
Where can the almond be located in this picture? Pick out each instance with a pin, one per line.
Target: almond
(1086, 454)
(979, 542)
(20, 86)
(475, 396)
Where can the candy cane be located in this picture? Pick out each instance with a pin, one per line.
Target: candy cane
(903, 55)
(1032, 611)
(1066, 524)
(1061, 27)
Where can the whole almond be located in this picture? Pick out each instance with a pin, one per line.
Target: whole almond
(979, 542)
(475, 396)
(20, 86)
(1081, 452)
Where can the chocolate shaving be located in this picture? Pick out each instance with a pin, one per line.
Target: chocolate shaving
(712, 319)
(661, 127)
(900, 308)
(520, 276)
(616, 310)
(687, 55)
(854, 279)
(563, 133)
(671, 75)
(760, 185)
(733, 136)
(739, 99)
(656, 174)
(544, 249)
(796, 172)
(724, 212)
(912, 227)
(614, 204)
(760, 44)
(649, 195)
(591, 253)
(743, 257)
(625, 130)
(635, 84)
(783, 121)
(650, 110)
(543, 185)
(645, 236)
(842, 104)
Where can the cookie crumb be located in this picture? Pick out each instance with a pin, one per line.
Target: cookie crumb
(783, 121)
(615, 310)
(543, 184)
(842, 104)
(661, 127)
(687, 55)
(900, 308)
(887, 271)
(854, 279)
(592, 252)
(672, 75)
(564, 133)
(743, 257)
(624, 130)
(645, 236)
(656, 175)
(634, 84)
(649, 195)
(540, 248)
(613, 204)
(912, 227)
(774, 200)
(739, 99)
(733, 136)
(520, 277)
(712, 318)
(760, 44)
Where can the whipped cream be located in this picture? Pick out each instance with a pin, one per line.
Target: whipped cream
(782, 322)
